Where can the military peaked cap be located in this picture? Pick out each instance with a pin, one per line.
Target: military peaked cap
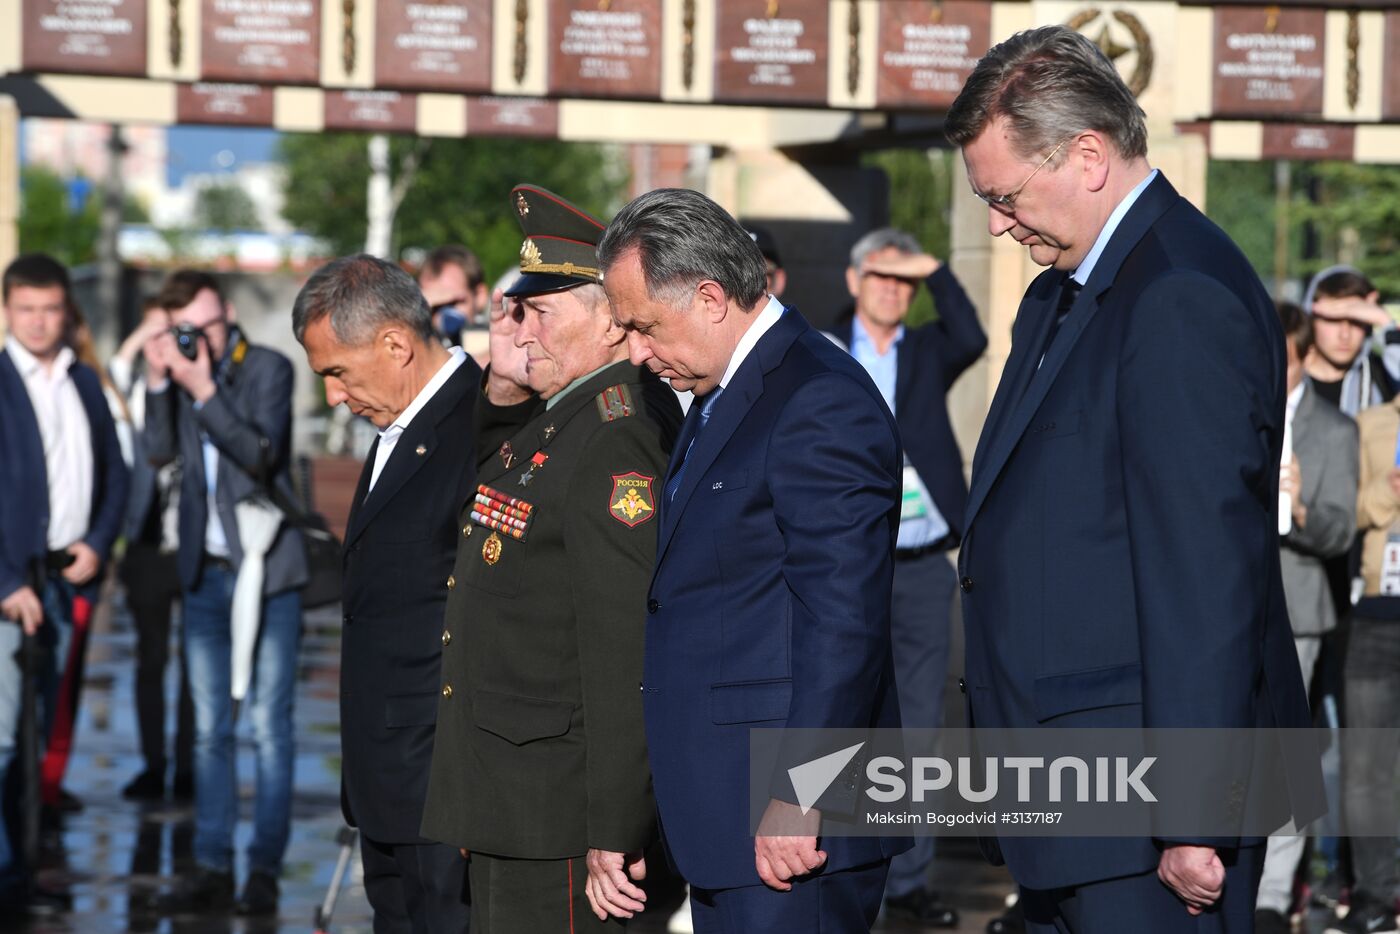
(558, 252)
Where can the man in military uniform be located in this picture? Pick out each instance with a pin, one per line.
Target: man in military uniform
(539, 763)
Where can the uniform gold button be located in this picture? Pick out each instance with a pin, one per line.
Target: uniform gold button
(451, 582)
(466, 531)
(447, 690)
(446, 637)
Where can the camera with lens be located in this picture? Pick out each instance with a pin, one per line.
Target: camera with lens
(187, 338)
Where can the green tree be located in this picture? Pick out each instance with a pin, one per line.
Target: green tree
(459, 193)
(225, 207)
(1336, 212)
(48, 222)
(920, 200)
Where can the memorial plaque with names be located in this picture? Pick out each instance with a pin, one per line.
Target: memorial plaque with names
(272, 41)
(927, 50)
(1308, 141)
(433, 45)
(1390, 94)
(372, 111)
(224, 104)
(771, 50)
(100, 38)
(512, 116)
(605, 48)
(1269, 61)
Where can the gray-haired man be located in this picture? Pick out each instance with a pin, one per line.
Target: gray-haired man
(914, 368)
(367, 331)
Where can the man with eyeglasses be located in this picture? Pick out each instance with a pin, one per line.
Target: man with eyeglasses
(1120, 561)
(914, 368)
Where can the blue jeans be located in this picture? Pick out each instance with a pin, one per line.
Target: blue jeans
(54, 637)
(208, 648)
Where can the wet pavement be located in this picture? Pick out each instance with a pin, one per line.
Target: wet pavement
(114, 854)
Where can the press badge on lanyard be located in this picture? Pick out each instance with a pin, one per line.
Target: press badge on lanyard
(1390, 560)
(912, 505)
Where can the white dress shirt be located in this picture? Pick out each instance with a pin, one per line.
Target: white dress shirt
(389, 437)
(1091, 259)
(67, 438)
(762, 322)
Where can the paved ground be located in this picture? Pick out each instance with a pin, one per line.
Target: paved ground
(114, 854)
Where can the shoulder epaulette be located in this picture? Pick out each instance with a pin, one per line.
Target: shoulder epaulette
(615, 402)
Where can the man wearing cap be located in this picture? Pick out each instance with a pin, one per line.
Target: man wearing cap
(774, 276)
(539, 762)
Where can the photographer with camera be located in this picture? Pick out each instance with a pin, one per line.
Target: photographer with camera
(224, 407)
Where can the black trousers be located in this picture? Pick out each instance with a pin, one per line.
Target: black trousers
(415, 888)
(152, 586)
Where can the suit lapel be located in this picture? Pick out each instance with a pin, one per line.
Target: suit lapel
(739, 396)
(411, 451)
(353, 527)
(1034, 319)
(1002, 438)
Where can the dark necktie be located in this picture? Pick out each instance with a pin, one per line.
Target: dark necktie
(1069, 291)
(705, 406)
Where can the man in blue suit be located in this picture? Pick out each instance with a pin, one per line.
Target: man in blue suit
(770, 604)
(63, 487)
(914, 368)
(1120, 562)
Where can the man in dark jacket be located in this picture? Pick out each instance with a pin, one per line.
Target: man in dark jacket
(539, 763)
(368, 333)
(63, 488)
(224, 407)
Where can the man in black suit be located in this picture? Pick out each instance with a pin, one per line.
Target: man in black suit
(1120, 563)
(367, 331)
(914, 368)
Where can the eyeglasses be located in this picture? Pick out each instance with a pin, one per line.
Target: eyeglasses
(1006, 204)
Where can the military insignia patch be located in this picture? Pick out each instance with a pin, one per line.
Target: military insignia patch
(632, 502)
(613, 403)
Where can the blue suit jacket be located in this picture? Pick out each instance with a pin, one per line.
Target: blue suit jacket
(771, 600)
(24, 485)
(929, 360)
(1120, 566)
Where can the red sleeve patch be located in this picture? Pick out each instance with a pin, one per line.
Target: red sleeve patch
(632, 501)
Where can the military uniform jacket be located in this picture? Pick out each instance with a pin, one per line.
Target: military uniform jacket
(540, 751)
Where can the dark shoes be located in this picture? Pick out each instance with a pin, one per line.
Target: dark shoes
(921, 906)
(148, 786)
(1011, 921)
(1368, 915)
(202, 891)
(1268, 921)
(259, 895)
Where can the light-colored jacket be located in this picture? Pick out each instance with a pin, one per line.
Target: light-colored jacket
(1377, 506)
(1325, 446)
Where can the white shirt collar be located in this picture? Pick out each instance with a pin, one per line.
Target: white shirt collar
(760, 326)
(1294, 398)
(1086, 268)
(27, 363)
(455, 358)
